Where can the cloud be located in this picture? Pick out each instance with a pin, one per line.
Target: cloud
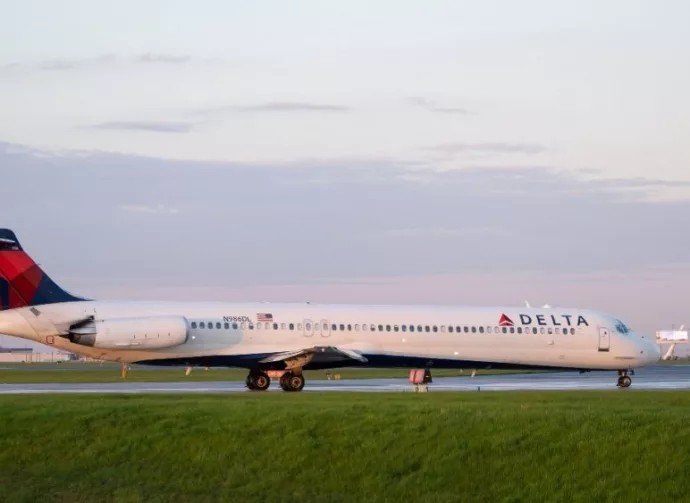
(152, 126)
(142, 208)
(448, 232)
(273, 107)
(222, 225)
(428, 105)
(488, 148)
(107, 60)
(74, 64)
(175, 59)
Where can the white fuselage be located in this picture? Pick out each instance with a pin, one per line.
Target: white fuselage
(387, 335)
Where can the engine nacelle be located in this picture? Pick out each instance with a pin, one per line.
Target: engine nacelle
(155, 332)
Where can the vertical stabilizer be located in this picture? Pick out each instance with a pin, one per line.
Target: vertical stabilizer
(22, 281)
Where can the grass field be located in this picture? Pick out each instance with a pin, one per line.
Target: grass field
(630, 446)
(82, 372)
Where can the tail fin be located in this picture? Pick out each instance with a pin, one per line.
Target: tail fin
(22, 282)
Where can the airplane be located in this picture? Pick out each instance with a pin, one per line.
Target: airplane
(286, 338)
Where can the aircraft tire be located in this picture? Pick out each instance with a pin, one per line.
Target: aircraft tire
(625, 382)
(249, 381)
(261, 381)
(295, 382)
(283, 381)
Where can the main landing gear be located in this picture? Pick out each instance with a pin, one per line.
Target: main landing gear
(258, 380)
(624, 380)
(291, 381)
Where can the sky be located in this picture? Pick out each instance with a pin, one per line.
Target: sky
(390, 152)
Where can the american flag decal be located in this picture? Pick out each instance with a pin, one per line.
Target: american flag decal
(264, 317)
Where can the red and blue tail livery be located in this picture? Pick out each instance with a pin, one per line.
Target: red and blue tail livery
(22, 281)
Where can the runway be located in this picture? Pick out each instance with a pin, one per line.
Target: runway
(659, 377)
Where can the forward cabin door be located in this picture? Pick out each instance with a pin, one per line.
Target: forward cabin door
(604, 339)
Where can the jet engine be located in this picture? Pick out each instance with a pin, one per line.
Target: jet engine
(155, 332)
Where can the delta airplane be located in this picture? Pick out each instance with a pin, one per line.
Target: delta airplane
(291, 337)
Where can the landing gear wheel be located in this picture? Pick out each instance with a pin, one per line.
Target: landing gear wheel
(258, 381)
(624, 381)
(249, 382)
(292, 382)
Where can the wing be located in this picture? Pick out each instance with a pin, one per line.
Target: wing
(316, 354)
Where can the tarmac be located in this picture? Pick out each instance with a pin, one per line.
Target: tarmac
(657, 377)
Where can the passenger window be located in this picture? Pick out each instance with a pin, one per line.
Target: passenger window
(427, 328)
(519, 330)
(194, 324)
(488, 330)
(434, 328)
(450, 328)
(234, 326)
(512, 330)
(299, 326)
(474, 330)
(218, 324)
(243, 325)
(275, 326)
(308, 326)
(365, 327)
(226, 325)
(380, 328)
(467, 330)
(210, 325)
(541, 330)
(443, 328)
(388, 328)
(481, 330)
(251, 327)
(534, 330)
(356, 327)
(373, 328)
(349, 328)
(419, 328)
(411, 328)
(342, 327)
(403, 328)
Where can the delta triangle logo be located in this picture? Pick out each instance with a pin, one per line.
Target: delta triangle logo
(505, 321)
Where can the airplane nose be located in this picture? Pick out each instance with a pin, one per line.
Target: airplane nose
(651, 351)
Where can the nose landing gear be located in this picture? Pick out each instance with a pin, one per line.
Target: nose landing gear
(624, 380)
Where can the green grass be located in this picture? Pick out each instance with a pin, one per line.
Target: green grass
(630, 446)
(92, 373)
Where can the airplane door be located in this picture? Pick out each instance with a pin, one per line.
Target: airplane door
(604, 339)
(307, 328)
(325, 328)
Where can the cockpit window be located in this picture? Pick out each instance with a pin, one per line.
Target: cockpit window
(622, 328)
